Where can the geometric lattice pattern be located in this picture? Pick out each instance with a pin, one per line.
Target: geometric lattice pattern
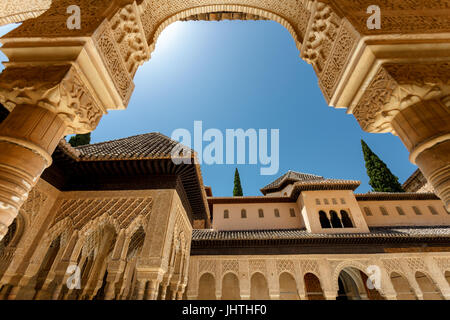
(392, 265)
(443, 264)
(416, 264)
(257, 265)
(122, 210)
(309, 266)
(285, 265)
(230, 265)
(207, 265)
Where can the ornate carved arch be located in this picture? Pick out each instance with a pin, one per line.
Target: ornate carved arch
(227, 8)
(341, 266)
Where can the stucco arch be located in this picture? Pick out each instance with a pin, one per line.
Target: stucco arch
(425, 283)
(207, 286)
(288, 286)
(230, 286)
(343, 265)
(402, 286)
(229, 8)
(259, 286)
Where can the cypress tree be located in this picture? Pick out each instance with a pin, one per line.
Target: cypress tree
(381, 178)
(237, 191)
(80, 139)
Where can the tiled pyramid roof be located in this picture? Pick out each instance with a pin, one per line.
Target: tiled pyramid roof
(144, 146)
(303, 181)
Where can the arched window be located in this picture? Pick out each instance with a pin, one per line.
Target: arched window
(346, 221)
(261, 213)
(243, 213)
(277, 213)
(335, 221)
(324, 222)
(226, 214)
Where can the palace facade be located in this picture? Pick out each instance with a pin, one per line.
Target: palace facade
(136, 226)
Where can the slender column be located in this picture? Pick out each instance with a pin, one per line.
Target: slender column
(438, 277)
(180, 292)
(141, 289)
(165, 283)
(152, 290)
(28, 137)
(116, 266)
(244, 280)
(424, 128)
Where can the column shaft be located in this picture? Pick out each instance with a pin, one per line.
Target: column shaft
(28, 137)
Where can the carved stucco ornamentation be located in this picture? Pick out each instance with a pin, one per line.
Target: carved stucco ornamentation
(320, 38)
(83, 212)
(53, 22)
(329, 43)
(399, 16)
(129, 35)
(341, 52)
(161, 13)
(20, 10)
(59, 89)
(35, 201)
(397, 86)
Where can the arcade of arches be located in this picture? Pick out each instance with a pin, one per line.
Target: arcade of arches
(60, 81)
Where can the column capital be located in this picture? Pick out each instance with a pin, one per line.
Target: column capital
(396, 86)
(60, 89)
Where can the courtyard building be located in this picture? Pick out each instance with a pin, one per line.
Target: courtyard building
(136, 226)
(131, 224)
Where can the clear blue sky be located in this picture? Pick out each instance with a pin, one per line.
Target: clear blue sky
(247, 74)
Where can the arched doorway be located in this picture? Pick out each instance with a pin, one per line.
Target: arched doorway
(259, 289)
(288, 287)
(429, 289)
(313, 288)
(402, 287)
(352, 285)
(230, 287)
(207, 287)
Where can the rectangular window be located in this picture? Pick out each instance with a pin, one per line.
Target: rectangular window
(400, 211)
(334, 200)
(433, 210)
(325, 201)
(277, 213)
(261, 213)
(318, 201)
(342, 201)
(367, 211)
(292, 212)
(243, 214)
(383, 211)
(417, 211)
(226, 214)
